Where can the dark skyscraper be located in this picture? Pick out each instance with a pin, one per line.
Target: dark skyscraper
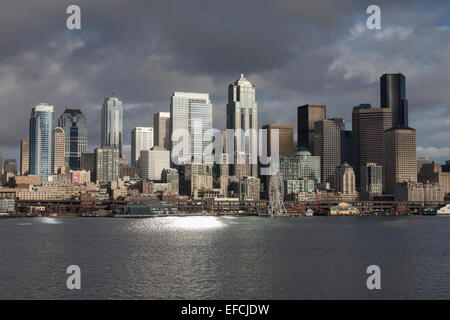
(393, 95)
(347, 147)
(306, 116)
(74, 124)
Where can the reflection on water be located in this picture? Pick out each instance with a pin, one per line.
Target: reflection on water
(196, 223)
(164, 224)
(49, 220)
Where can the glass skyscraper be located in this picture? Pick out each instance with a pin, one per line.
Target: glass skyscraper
(393, 95)
(192, 112)
(112, 123)
(74, 124)
(42, 140)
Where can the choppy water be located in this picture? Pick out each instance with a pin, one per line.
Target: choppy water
(225, 258)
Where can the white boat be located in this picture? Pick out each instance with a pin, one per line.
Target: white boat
(309, 213)
(444, 210)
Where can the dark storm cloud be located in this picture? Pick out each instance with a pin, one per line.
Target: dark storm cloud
(295, 52)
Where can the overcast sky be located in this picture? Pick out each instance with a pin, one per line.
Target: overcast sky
(294, 52)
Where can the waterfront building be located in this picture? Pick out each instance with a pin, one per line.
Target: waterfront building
(242, 117)
(141, 139)
(294, 187)
(112, 123)
(74, 123)
(152, 162)
(10, 166)
(24, 156)
(197, 178)
(327, 145)
(371, 180)
(368, 125)
(250, 188)
(433, 173)
(161, 127)
(60, 145)
(307, 115)
(191, 112)
(302, 166)
(171, 176)
(393, 96)
(42, 141)
(400, 157)
(344, 180)
(106, 164)
(285, 142)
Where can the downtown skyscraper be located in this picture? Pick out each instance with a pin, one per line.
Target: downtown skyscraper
(242, 117)
(42, 141)
(307, 115)
(393, 96)
(73, 121)
(161, 130)
(112, 124)
(141, 139)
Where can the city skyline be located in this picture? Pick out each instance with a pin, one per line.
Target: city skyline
(287, 74)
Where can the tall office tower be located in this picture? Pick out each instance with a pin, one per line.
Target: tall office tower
(74, 123)
(87, 162)
(191, 112)
(347, 155)
(172, 177)
(106, 164)
(60, 142)
(420, 162)
(400, 158)
(10, 166)
(112, 123)
(42, 141)
(161, 127)
(152, 162)
(344, 179)
(285, 142)
(307, 115)
(371, 180)
(369, 125)
(141, 139)
(197, 177)
(242, 117)
(327, 145)
(393, 96)
(24, 156)
(1, 162)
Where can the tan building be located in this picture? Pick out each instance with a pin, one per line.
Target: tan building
(27, 180)
(24, 156)
(368, 125)
(60, 146)
(399, 158)
(432, 173)
(161, 130)
(327, 145)
(307, 115)
(344, 181)
(198, 177)
(285, 141)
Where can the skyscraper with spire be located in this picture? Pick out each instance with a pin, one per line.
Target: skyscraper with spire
(242, 117)
(112, 123)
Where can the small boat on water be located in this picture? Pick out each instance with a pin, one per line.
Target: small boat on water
(309, 213)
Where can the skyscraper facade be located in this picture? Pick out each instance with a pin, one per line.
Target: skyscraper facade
(344, 179)
(42, 141)
(242, 117)
(60, 142)
(112, 123)
(307, 115)
(371, 180)
(191, 112)
(347, 155)
(393, 96)
(327, 145)
(73, 121)
(368, 125)
(10, 166)
(161, 128)
(153, 162)
(106, 164)
(141, 139)
(24, 156)
(285, 141)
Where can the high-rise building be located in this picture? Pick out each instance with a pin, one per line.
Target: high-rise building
(420, 162)
(400, 158)
(152, 162)
(344, 179)
(191, 112)
(10, 166)
(112, 123)
(1, 162)
(161, 127)
(327, 145)
(87, 163)
(197, 177)
(371, 180)
(393, 96)
(171, 176)
(42, 141)
(285, 141)
(307, 115)
(24, 156)
(432, 173)
(106, 164)
(74, 123)
(301, 166)
(60, 142)
(368, 125)
(242, 117)
(141, 139)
